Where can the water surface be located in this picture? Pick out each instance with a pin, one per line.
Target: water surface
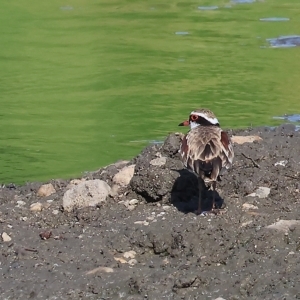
(81, 80)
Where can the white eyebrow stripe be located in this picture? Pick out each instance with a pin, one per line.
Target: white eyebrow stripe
(211, 120)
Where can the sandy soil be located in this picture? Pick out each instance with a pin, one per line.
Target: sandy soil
(158, 248)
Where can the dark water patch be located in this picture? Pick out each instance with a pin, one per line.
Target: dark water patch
(242, 1)
(290, 118)
(181, 33)
(274, 19)
(208, 7)
(284, 41)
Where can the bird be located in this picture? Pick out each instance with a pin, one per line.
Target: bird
(205, 150)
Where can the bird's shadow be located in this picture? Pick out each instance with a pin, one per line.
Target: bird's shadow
(185, 194)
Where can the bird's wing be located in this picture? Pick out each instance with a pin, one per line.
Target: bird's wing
(205, 145)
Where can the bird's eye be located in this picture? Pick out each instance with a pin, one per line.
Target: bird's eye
(194, 117)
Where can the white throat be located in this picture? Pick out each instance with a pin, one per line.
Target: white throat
(194, 125)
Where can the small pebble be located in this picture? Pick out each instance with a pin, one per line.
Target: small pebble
(46, 190)
(121, 260)
(248, 206)
(100, 269)
(129, 254)
(263, 192)
(282, 163)
(142, 222)
(166, 207)
(46, 205)
(45, 235)
(55, 211)
(21, 203)
(161, 214)
(246, 223)
(132, 262)
(37, 206)
(6, 237)
(131, 207)
(139, 222)
(133, 202)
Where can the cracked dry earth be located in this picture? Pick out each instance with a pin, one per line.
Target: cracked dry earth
(159, 249)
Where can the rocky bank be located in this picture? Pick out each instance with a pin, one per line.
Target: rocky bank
(128, 231)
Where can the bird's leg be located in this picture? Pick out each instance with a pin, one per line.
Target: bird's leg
(213, 210)
(214, 185)
(200, 183)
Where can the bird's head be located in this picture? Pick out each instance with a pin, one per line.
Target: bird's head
(203, 117)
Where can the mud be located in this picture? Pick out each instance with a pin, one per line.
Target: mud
(161, 249)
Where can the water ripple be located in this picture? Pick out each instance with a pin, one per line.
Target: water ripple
(274, 19)
(242, 1)
(67, 7)
(181, 33)
(208, 7)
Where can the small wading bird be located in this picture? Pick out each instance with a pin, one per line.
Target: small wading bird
(205, 150)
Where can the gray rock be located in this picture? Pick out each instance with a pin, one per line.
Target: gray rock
(114, 190)
(284, 225)
(172, 144)
(160, 161)
(245, 139)
(87, 193)
(124, 176)
(261, 192)
(163, 181)
(46, 190)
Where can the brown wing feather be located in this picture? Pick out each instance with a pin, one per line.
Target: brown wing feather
(228, 149)
(205, 150)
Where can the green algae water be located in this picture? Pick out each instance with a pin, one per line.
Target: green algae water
(85, 83)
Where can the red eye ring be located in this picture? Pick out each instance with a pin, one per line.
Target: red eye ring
(194, 117)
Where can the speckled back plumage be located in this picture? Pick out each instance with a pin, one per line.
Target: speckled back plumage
(206, 149)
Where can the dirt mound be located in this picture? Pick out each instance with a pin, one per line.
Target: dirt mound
(145, 242)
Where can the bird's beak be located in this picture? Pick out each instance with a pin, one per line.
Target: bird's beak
(185, 123)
